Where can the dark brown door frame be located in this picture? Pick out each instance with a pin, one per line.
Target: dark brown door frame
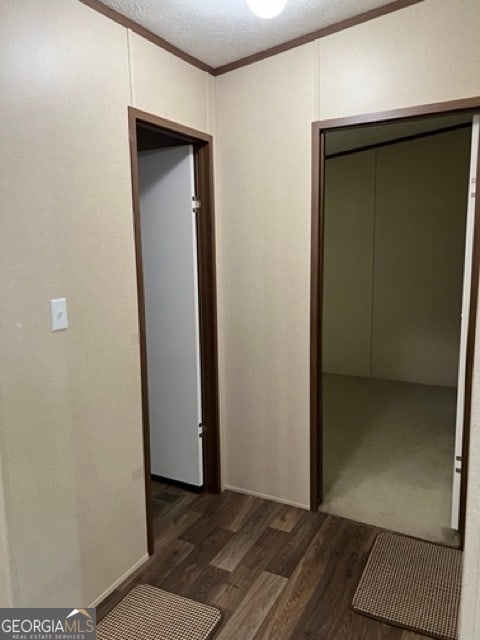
(203, 153)
(319, 130)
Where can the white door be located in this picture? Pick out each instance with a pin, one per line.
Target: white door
(467, 275)
(169, 253)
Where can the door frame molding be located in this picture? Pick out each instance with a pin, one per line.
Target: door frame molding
(319, 130)
(203, 154)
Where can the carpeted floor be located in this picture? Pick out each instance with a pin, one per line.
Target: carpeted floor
(388, 455)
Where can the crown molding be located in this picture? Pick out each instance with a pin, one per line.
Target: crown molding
(396, 5)
(145, 33)
(315, 35)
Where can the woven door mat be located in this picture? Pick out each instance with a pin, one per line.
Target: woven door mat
(411, 584)
(148, 613)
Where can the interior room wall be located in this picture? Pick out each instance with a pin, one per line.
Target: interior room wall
(421, 208)
(70, 403)
(394, 252)
(348, 264)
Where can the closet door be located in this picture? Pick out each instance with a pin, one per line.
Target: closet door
(467, 277)
(170, 273)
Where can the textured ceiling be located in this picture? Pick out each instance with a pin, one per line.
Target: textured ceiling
(221, 31)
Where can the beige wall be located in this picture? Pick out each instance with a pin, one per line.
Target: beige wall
(263, 202)
(428, 52)
(425, 53)
(394, 251)
(164, 84)
(70, 402)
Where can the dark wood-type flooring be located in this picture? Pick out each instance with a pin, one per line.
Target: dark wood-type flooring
(275, 572)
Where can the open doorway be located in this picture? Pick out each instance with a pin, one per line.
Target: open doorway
(391, 281)
(175, 252)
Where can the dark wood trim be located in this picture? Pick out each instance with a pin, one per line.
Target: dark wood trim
(316, 316)
(388, 143)
(176, 483)
(189, 135)
(396, 5)
(319, 129)
(145, 33)
(132, 128)
(432, 109)
(315, 35)
(208, 314)
(471, 337)
(149, 137)
(202, 144)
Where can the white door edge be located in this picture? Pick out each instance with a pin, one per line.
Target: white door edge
(467, 275)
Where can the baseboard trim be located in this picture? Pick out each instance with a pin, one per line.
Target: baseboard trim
(118, 582)
(266, 496)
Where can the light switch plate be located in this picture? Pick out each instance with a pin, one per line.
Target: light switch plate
(58, 312)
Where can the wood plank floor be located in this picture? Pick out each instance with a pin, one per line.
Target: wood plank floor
(274, 571)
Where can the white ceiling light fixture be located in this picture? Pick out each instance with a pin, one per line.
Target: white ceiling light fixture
(266, 8)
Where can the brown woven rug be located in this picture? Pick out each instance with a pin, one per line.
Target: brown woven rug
(148, 613)
(412, 584)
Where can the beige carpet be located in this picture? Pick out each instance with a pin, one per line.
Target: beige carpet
(412, 584)
(148, 613)
(388, 455)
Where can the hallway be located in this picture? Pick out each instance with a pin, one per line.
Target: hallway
(275, 572)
